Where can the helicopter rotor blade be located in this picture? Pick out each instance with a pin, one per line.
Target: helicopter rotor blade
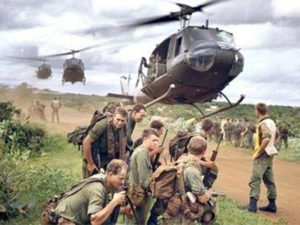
(155, 20)
(28, 58)
(201, 6)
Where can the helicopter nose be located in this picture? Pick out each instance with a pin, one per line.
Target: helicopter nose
(201, 60)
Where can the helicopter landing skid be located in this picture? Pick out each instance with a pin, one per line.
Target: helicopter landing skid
(230, 105)
(165, 95)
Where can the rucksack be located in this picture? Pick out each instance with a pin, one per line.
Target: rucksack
(178, 144)
(163, 181)
(77, 136)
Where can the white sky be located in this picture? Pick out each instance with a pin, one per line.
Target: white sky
(267, 31)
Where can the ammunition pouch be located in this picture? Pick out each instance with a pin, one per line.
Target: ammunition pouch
(49, 217)
(174, 205)
(137, 194)
(192, 211)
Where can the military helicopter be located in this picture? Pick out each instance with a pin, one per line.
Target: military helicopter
(190, 66)
(44, 70)
(73, 67)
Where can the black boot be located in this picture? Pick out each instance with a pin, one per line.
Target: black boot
(271, 207)
(252, 206)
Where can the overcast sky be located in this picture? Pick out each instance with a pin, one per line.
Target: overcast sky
(267, 31)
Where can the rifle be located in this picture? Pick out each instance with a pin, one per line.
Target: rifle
(155, 162)
(116, 211)
(209, 175)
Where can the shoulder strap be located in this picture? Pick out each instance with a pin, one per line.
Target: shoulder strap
(93, 124)
(77, 187)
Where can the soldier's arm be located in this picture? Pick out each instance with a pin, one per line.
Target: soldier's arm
(144, 168)
(193, 181)
(101, 216)
(87, 149)
(266, 135)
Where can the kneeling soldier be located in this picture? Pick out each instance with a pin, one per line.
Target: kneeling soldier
(197, 201)
(90, 205)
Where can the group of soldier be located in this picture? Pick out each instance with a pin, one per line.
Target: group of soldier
(111, 157)
(36, 110)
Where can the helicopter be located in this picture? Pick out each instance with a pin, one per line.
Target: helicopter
(73, 67)
(190, 66)
(43, 71)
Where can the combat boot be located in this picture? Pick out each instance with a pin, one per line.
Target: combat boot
(252, 206)
(271, 207)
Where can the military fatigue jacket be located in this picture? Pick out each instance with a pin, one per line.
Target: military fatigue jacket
(140, 167)
(89, 200)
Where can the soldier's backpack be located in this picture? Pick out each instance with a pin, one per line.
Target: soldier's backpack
(48, 216)
(163, 181)
(178, 144)
(77, 136)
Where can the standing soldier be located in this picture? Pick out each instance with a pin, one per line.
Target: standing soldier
(40, 109)
(104, 142)
(91, 205)
(264, 151)
(283, 136)
(136, 116)
(202, 206)
(140, 173)
(236, 133)
(55, 105)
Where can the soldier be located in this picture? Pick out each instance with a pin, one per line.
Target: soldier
(136, 116)
(104, 142)
(141, 171)
(55, 105)
(263, 153)
(204, 204)
(155, 124)
(91, 205)
(283, 135)
(40, 110)
(247, 134)
(217, 131)
(236, 133)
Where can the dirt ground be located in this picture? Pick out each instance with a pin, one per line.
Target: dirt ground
(234, 170)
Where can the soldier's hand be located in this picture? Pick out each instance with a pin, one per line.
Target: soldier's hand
(119, 198)
(92, 168)
(159, 149)
(210, 164)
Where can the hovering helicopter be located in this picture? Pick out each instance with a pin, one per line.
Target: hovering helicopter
(191, 66)
(73, 67)
(44, 70)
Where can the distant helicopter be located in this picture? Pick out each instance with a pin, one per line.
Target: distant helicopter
(191, 66)
(44, 70)
(73, 67)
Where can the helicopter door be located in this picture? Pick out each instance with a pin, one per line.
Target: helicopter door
(176, 50)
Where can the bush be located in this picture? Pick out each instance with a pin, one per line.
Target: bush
(7, 111)
(18, 139)
(23, 191)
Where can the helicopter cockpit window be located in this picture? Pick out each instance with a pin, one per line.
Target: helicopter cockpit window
(225, 37)
(178, 46)
(197, 35)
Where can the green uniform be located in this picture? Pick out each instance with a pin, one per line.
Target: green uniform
(89, 200)
(140, 173)
(108, 144)
(262, 167)
(192, 177)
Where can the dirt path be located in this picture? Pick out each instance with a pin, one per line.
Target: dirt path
(234, 171)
